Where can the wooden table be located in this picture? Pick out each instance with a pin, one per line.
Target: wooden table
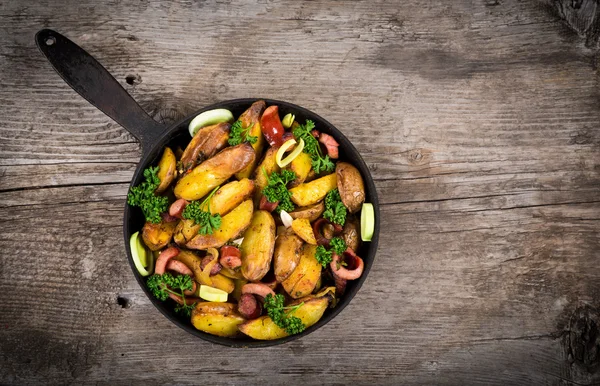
(479, 121)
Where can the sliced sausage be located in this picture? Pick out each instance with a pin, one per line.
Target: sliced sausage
(163, 259)
(259, 289)
(353, 270)
(230, 257)
(215, 269)
(331, 145)
(249, 307)
(176, 208)
(267, 205)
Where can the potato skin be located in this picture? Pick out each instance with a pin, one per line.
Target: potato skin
(157, 236)
(312, 192)
(257, 247)
(220, 319)
(301, 165)
(194, 262)
(264, 328)
(214, 171)
(268, 165)
(166, 169)
(311, 212)
(185, 231)
(351, 233)
(304, 278)
(231, 195)
(351, 186)
(207, 141)
(249, 117)
(232, 224)
(286, 257)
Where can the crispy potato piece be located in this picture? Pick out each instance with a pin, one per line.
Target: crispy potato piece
(351, 186)
(185, 231)
(231, 195)
(257, 247)
(301, 165)
(232, 224)
(166, 169)
(311, 212)
(287, 254)
(252, 117)
(351, 233)
(157, 236)
(220, 319)
(206, 143)
(268, 165)
(193, 262)
(214, 171)
(303, 229)
(304, 278)
(312, 192)
(264, 328)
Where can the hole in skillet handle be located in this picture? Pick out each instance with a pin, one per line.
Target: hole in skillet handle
(178, 134)
(50, 40)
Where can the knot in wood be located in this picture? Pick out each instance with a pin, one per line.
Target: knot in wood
(583, 338)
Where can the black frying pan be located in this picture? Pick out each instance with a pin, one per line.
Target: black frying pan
(93, 82)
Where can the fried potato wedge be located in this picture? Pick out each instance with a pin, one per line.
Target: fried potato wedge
(267, 166)
(312, 192)
(193, 262)
(311, 212)
(304, 278)
(231, 195)
(264, 328)
(167, 169)
(304, 230)
(257, 247)
(157, 236)
(252, 117)
(205, 143)
(232, 225)
(214, 171)
(286, 257)
(351, 186)
(301, 165)
(220, 319)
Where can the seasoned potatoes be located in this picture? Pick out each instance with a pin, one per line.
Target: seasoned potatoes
(213, 172)
(194, 262)
(351, 186)
(304, 278)
(252, 117)
(286, 257)
(231, 195)
(232, 224)
(166, 169)
(157, 236)
(311, 212)
(312, 192)
(257, 247)
(264, 328)
(220, 319)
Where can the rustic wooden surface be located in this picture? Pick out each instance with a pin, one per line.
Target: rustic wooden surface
(478, 118)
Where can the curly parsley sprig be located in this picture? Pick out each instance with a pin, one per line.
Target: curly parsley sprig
(276, 189)
(281, 315)
(319, 162)
(324, 256)
(335, 211)
(238, 134)
(196, 211)
(163, 285)
(143, 196)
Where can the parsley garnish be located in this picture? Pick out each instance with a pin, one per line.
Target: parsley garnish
(282, 318)
(312, 148)
(276, 189)
(143, 196)
(335, 211)
(162, 285)
(195, 211)
(237, 134)
(338, 245)
(323, 256)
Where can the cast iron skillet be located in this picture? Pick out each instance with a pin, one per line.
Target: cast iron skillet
(93, 82)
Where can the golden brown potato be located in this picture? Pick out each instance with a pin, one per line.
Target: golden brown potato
(232, 225)
(206, 143)
(230, 195)
(303, 229)
(214, 171)
(220, 319)
(304, 278)
(351, 186)
(264, 328)
(185, 231)
(351, 233)
(252, 117)
(287, 254)
(166, 170)
(193, 262)
(312, 192)
(157, 236)
(311, 212)
(267, 166)
(257, 247)
(301, 165)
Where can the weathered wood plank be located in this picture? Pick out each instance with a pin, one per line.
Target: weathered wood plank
(479, 122)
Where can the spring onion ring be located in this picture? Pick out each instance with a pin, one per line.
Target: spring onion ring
(295, 153)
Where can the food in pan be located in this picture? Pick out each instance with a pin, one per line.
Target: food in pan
(254, 228)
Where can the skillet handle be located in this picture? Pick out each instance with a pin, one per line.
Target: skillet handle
(93, 82)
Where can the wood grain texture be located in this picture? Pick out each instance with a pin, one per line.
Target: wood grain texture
(478, 119)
